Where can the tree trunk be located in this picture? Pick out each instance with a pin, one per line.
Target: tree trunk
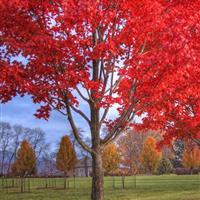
(65, 180)
(9, 163)
(2, 163)
(97, 168)
(97, 177)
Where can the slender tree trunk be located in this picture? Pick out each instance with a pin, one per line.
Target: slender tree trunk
(65, 180)
(97, 177)
(9, 163)
(97, 167)
(2, 162)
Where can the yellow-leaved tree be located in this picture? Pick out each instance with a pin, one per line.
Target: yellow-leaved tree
(191, 156)
(150, 156)
(111, 158)
(25, 163)
(66, 157)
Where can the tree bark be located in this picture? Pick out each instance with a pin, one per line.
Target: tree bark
(97, 177)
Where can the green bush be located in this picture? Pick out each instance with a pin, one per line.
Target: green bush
(164, 166)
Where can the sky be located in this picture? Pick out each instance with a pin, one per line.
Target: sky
(21, 111)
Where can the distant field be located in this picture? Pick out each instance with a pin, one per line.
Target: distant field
(169, 187)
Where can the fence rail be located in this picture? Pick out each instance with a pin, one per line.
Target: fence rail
(26, 185)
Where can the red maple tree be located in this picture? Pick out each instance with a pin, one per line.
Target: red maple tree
(140, 58)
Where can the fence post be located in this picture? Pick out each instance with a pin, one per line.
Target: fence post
(29, 185)
(3, 183)
(113, 182)
(6, 185)
(21, 184)
(24, 184)
(135, 181)
(55, 183)
(18, 182)
(46, 182)
(50, 182)
(123, 182)
(13, 183)
(74, 183)
(65, 182)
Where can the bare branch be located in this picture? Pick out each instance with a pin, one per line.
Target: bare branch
(114, 85)
(81, 95)
(104, 115)
(119, 131)
(54, 107)
(80, 113)
(88, 93)
(74, 127)
(197, 141)
(127, 116)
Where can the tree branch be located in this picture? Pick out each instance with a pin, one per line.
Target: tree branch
(80, 113)
(127, 116)
(74, 128)
(54, 107)
(197, 141)
(81, 95)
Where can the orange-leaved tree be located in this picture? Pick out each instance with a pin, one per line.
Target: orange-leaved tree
(191, 156)
(150, 156)
(111, 158)
(66, 156)
(25, 163)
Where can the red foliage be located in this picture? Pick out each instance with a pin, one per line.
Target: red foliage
(152, 47)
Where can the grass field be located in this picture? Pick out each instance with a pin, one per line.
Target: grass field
(170, 187)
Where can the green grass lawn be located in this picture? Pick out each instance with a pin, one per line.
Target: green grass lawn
(170, 187)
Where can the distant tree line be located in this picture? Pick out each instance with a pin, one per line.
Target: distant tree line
(141, 155)
(24, 152)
